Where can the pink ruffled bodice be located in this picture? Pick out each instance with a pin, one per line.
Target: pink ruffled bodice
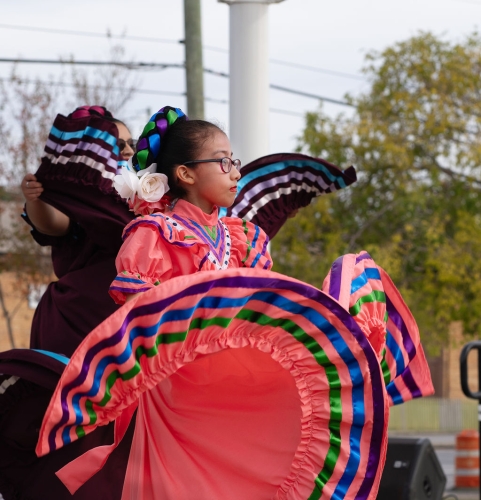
(186, 240)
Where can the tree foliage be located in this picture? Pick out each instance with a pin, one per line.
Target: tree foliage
(415, 140)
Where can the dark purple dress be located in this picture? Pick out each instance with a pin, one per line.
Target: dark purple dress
(76, 173)
(83, 261)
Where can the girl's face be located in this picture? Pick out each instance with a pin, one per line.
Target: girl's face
(208, 185)
(125, 142)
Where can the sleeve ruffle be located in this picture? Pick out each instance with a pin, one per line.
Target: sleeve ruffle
(249, 244)
(143, 261)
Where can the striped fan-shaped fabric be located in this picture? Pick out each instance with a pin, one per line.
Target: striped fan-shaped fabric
(367, 291)
(312, 418)
(90, 141)
(274, 186)
(28, 378)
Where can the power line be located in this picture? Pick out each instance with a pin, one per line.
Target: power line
(94, 34)
(287, 112)
(126, 65)
(221, 73)
(149, 92)
(161, 66)
(319, 70)
(108, 34)
(64, 84)
(313, 96)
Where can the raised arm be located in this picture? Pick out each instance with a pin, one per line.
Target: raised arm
(46, 219)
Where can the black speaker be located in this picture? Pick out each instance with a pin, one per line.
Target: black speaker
(412, 471)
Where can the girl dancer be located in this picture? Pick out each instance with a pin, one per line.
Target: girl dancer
(247, 384)
(194, 176)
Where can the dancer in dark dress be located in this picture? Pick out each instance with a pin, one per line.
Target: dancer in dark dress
(72, 207)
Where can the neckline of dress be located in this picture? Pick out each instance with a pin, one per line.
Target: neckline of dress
(186, 209)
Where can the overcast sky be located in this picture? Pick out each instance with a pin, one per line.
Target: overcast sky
(333, 36)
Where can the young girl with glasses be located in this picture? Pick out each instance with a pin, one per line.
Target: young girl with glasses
(243, 383)
(183, 173)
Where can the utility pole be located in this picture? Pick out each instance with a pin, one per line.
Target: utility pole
(194, 70)
(249, 78)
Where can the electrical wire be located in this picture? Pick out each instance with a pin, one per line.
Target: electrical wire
(149, 92)
(161, 66)
(319, 70)
(126, 65)
(65, 84)
(108, 34)
(312, 96)
(92, 34)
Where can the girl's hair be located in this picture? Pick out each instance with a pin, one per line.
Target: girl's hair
(169, 139)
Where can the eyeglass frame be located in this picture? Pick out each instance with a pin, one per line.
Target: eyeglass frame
(219, 161)
(132, 144)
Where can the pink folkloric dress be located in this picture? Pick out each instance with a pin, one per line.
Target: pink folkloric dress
(246, 384)
(160, 247)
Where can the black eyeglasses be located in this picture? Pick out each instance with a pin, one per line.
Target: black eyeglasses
(122, 144)
(225, 163)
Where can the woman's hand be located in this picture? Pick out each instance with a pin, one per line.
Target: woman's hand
(31, 188)
(45, 218)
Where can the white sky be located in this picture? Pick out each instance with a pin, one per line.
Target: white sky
(332, 35)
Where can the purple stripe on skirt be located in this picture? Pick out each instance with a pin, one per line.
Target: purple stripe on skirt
(364, 256)
(408, 379)
(336, 275)
(396, 318)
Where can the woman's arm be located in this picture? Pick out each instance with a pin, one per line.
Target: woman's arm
(46, 219)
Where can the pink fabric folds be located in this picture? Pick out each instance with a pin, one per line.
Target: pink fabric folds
(249, 384)
(80, 470)
(368, 293)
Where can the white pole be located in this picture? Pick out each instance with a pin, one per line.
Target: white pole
(249, 78)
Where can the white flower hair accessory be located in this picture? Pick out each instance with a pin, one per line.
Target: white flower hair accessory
(126, 184)
(152, 186)
(143, 190)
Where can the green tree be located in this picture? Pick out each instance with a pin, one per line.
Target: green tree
(415, 140)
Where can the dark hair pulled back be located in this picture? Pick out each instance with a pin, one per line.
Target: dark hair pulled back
(169, 139)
